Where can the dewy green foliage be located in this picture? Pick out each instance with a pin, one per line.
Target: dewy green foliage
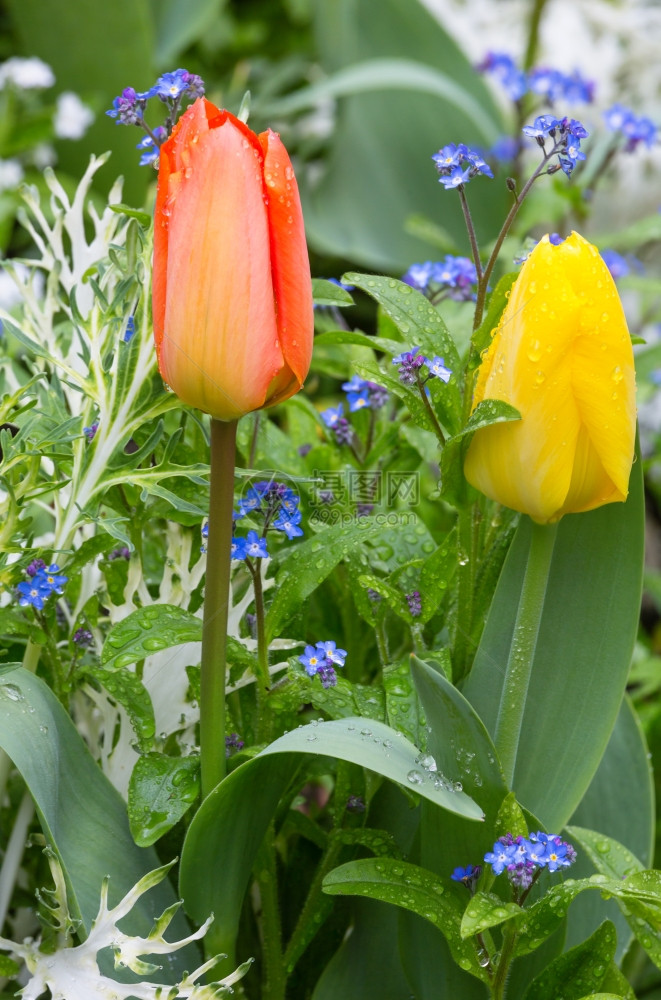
(384, 777)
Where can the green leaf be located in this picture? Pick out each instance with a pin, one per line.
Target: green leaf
(307, 566)
(495, 307)
(639, 895)
(359, 51)
(489, 411)
(409, 395)
(358, 969)
(146, 631)
(429, 965)
(226, 832)
(454, 486)
(458, 740)
(413, 888)
(416, 318)
(613, 859)
(8, 967)
(327, 293)
(128, 690)
(582, 656)
(403, 710)
(132, 213)
(510, 818)
(615, 984)
(607, 855)
(178, 26)
(580, 968)
(161, 790)
(388, 74)
(486, 910)
(381, 749)
(435, 576)
(82, 815)
(332, 337)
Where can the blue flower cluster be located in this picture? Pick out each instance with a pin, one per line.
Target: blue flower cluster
(551, 84)
(457, 165)
(410, 363)
(634, 128)
(453, 277)
(566, 135)
(468, 875)
(619, 265)
(171, 89)
(361, 394)
(44, 581)
(232, 742)
(277, 505)
(320, 660)
(150, 146)
(521, 856)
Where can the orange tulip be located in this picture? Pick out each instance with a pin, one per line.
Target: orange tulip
(232, 297)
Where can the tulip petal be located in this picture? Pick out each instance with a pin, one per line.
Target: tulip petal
(562, 356)
(292, 284)
(220, 348)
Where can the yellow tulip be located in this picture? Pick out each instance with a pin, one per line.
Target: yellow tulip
(562, 356)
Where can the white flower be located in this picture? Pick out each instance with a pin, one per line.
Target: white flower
(28, 74)
(72, 973)
(72, 117)
(43, 155)
(11, 174)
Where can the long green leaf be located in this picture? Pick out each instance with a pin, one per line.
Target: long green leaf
(389, 74)
(583, 652)
(582, 968)
(359, 969)
(82, 815)
(414, 889)
(226, 832)
(359, 208)
(458, 739)
(620, 804)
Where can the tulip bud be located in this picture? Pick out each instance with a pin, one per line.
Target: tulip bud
(562, 356)
(232, 296)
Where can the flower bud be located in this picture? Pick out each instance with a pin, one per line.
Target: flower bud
(562, 356)
(232, 296)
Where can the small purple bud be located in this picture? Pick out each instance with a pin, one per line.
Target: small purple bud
(83, 637)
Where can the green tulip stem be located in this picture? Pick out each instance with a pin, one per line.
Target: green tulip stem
(438, 430)
(468, 219)
(216, 604)
(262, 674)
(483, 282)
(524, 644)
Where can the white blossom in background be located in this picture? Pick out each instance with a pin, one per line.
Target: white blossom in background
(72, 973)
(43, 155)
(28, 74)
(72, 117)
(11, 174)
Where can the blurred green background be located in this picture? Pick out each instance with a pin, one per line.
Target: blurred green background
(363, 93)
